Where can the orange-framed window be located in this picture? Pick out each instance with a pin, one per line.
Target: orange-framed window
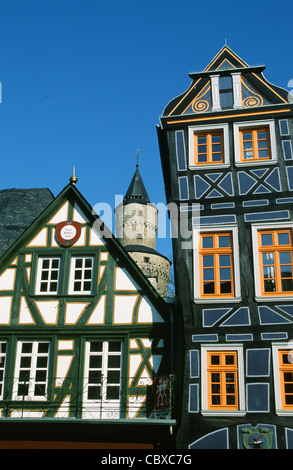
(254, 144)
(276, 261)
(286, 378)
(208, 148)
(216, 265)
(222, 380)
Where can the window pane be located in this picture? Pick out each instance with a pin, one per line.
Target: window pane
(263, 154)
(268, 258)
(96, 346)
(208, 261)
(269, 272)
(287, 285)
(225, 287)
(201, 140)
(216, 139)
(262, 135)
(208, 274)
(225, 274)
(113, 362)
(270, 286)
(286, 271)
(266, 239)
(229, 360)
(285, 258)
(209, 288)
(207, 242)
(224, 260)
(114, 346)
(283, 239)
(215, 360)
(224, 241)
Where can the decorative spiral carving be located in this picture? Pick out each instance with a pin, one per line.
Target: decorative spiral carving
(252, 101)
(200, 106)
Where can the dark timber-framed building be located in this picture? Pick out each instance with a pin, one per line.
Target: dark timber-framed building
(226, 153)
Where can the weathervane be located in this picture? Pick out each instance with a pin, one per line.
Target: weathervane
(137, 157)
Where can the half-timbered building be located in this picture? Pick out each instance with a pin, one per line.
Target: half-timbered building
(226, 153)
(85, 353)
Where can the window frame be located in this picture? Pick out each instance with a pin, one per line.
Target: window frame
(238, 127)
(103, 404)
(3, 366)
(276, 349)
(211, 129)
(73, 269)
(32, 370)
(255, 229)
(39, 272)
(205, 409)
(197, 231)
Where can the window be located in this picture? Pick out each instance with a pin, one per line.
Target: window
(226, 92)
(222, 380)
(31, 370)
(223, 376)
(283, 378)
(286, 378)
(208, 146)
(275, 261)
(81, 275)
(216, 264)
(103, 376)
(255, 142)
(47, 275)
(3, 350)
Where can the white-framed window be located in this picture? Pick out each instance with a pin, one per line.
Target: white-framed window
(223, 390)
(3, 353)
(255, 142)
(209, 146)
(273, 261)
(81, 275)
(102, 378)
(283, 378)
(216, 264)
(31, 370)
(47, 279)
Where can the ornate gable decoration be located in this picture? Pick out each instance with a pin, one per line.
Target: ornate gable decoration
(226, 83)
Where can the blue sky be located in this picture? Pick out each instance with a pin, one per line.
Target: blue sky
(85, 81)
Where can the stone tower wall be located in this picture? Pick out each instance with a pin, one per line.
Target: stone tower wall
(136, 224)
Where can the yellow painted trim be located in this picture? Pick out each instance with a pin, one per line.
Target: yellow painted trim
(227, 61)
(220, 53)
(269, 87)
(229, 116)
(187, 93)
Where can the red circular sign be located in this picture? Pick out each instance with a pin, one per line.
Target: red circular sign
(68, 232)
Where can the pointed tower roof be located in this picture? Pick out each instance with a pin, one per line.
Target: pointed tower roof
(136, 191)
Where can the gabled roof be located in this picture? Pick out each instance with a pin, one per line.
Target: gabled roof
(256, 90)
(136, 191)
(71, 193)
(18, 209)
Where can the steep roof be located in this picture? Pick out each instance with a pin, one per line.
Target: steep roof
(18, 209)
(136, 191)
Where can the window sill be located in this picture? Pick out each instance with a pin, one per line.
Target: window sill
(259, 162)
(284, 412)
(217, 300)
(277, 298)
(209, 167)
(223, 413)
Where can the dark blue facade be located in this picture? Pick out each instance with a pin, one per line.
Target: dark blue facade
(245, 197)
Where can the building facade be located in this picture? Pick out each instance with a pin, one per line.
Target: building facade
(85, 340)
(226, 153)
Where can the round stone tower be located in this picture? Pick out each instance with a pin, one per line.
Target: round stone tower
(136, 229)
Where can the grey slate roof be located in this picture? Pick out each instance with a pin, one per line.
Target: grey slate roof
(18, 209)
(136, 191)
